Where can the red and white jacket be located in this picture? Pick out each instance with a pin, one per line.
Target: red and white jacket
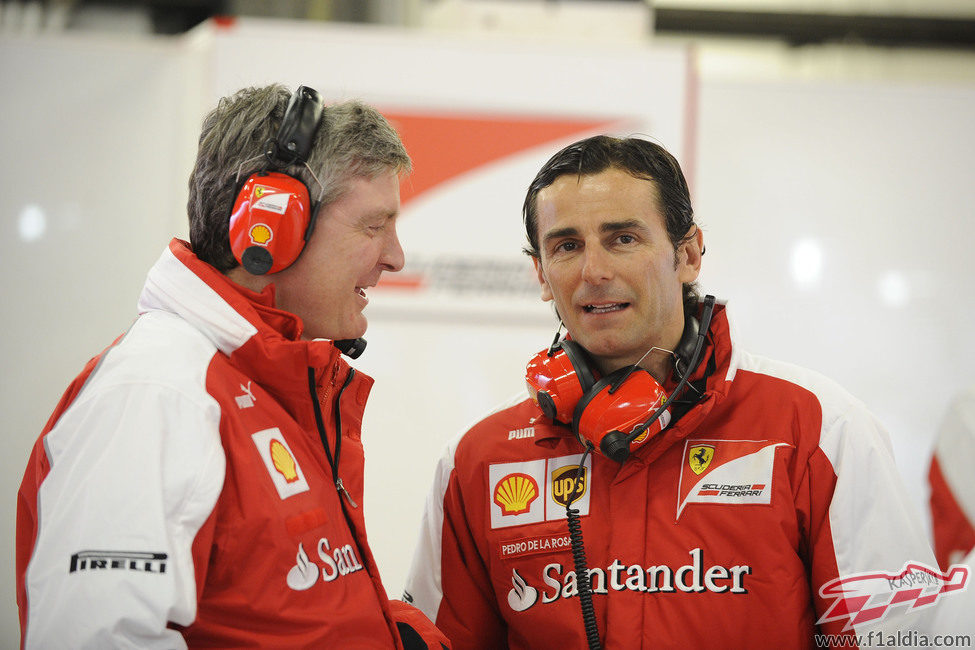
(180, 494)
(741, 526)
(952, 483)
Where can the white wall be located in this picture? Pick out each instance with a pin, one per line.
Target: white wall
(874, 169)
(874, 179)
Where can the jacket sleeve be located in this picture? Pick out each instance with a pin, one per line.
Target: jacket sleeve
(863, 530)
(416, 630)
(123, 482)
(952, 498)
(448, 580)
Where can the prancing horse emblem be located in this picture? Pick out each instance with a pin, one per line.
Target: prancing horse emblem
(700, 458)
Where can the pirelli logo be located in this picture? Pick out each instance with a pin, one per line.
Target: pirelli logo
(118, 560)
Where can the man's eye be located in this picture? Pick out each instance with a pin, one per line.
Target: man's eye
(566, 247)
(626, 239)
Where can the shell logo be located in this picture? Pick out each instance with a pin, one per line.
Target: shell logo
(515, 493)
(283, 462)
(260, 234)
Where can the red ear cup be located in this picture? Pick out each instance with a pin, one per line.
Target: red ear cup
(553, 384)
(603, 411)
(557, 378)
(269, 222)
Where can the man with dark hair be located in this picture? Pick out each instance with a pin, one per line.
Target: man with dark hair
(200, 482)
(715, 498)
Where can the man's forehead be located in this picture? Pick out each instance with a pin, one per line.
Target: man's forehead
(607, 225)
(613, 186)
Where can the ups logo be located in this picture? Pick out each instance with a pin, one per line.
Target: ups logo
(565, 488)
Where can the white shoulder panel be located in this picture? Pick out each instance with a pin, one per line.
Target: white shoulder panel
(874, 523)
(136, 468)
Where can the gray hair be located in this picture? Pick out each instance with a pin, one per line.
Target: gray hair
(353, 140)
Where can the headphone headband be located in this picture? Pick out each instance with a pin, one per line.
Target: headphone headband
(294, 139)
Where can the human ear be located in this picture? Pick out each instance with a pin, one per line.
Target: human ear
(689, 256)
(543, 283)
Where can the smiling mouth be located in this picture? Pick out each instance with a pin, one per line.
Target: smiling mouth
(605, 309)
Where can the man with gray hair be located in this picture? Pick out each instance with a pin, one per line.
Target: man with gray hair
(200, 482)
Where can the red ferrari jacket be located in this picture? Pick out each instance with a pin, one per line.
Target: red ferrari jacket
(181, 493)
(770, 511)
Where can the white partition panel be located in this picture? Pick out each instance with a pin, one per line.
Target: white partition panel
(839, 219)
(95, 136)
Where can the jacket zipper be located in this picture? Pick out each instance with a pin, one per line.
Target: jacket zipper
(342, 490)
(333, 460)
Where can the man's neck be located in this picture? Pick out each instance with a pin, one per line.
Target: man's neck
(659, 363)
(255, 283)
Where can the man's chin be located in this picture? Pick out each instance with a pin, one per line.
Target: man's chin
(358, 330)
(599, 349)
(606, 349)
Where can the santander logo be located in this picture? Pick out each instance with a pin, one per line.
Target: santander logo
(523, 595)
(335, 563)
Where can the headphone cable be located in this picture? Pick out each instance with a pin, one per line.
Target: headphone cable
(583, 584)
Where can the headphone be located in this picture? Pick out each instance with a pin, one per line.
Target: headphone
(273, 213)
(611, 413)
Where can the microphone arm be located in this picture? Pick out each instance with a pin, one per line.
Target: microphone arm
(617, 447)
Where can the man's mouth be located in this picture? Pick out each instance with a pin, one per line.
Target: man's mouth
(605, 308)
